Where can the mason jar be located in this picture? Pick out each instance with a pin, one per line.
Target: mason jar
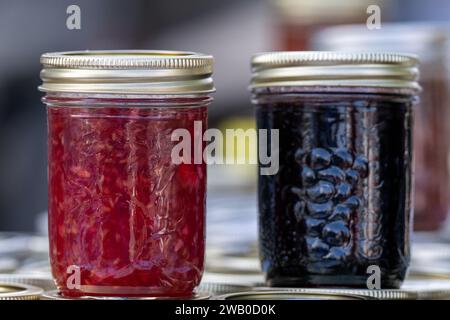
(338, 209)
(126, 217)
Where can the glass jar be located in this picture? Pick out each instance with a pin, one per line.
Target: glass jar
(297, 21)
(125, 219)
(341, 199)
(432, 121)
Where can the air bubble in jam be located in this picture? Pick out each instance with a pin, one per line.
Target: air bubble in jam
(120, 210)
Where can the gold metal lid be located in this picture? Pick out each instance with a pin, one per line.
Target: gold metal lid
(40, 281)
(335, 69)
(127, 72)
(381, 294)
(289, 295)
(18, 291)
(428, 287)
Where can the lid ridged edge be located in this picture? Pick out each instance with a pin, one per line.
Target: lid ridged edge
(20, 291)
(304, 58)
(130, 59)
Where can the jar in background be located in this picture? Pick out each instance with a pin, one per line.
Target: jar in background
(341, 200)
(297, 21)
(432, 122)
(124, 219)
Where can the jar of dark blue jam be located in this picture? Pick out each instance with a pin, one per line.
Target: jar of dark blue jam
(337, 213)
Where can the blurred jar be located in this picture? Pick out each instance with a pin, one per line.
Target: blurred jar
(432, 123)
(297, 21)
(125, 218)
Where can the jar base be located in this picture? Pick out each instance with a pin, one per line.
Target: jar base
(110, 296)
(331, 281)
(124, 293)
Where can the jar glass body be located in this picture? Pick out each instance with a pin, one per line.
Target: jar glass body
(432, 148)
(124, 219)
(341, 200)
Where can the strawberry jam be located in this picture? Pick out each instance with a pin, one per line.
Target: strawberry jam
(124, 220)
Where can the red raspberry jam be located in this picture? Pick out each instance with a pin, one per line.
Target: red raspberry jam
(126, 192)
(120, 211)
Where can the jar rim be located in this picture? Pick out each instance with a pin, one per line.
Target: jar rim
(335, 90)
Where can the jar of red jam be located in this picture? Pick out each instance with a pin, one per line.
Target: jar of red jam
(125, 219)
(339, 206)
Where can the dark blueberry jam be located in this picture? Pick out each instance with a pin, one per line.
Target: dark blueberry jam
(341, 200)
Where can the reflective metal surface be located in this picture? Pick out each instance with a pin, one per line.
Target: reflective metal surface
(289, 295)
(335, 69)
(127, 72)
(10, 291)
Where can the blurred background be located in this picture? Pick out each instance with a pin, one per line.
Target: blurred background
(230, 30)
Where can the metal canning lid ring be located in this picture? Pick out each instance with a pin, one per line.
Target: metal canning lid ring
(45, 283)
(289, 295)
(127, 72)
(18, 291)
(42, 282)
(381, 294)
(428, 287)
(335, 69)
